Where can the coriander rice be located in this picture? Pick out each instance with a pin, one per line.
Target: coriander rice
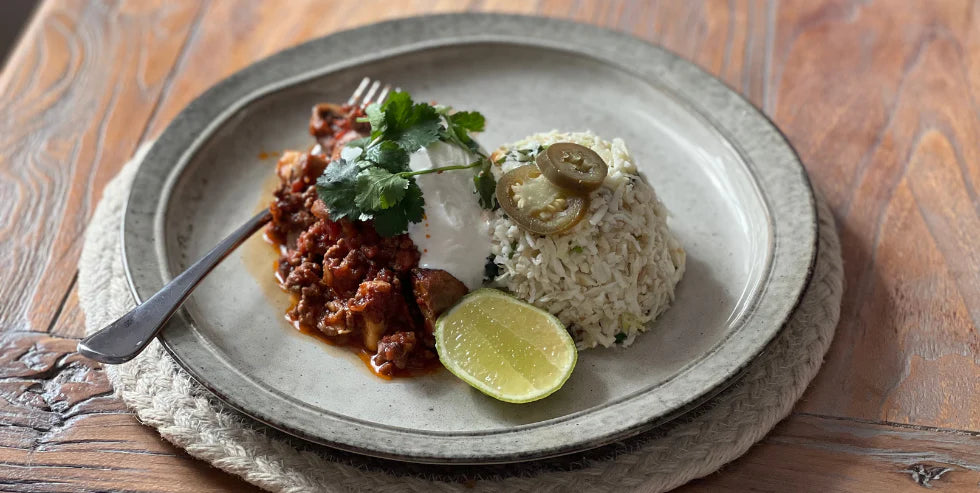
(609, 276)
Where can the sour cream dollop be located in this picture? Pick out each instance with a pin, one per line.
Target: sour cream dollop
(455, 234)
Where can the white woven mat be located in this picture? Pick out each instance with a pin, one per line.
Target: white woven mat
(165, 397)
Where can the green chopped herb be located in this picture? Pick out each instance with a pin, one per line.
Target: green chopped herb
(373, 181)
(394, 221)
(577, 249)
(409, 124)
(388, 155)
(469, 120)
(620, 337)
(379, 189)
(337, 187)
(486, 185)
(490, 270)
(458, 126)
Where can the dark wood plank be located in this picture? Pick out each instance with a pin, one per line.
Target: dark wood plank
(271, 29)
(62, 429)
(893, 145)
(75, 97)
(880, 100)
(823, 455)
(70, 321)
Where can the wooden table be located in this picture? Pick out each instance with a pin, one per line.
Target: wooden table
(880, 99)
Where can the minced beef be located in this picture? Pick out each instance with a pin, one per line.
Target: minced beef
(351, 284)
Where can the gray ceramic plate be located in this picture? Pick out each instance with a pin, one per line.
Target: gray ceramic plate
(740, 203)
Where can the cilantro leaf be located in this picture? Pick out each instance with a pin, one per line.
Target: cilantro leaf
(486, 186)
(388, 155)
(359, 143)
(353, 150)
(337, 188)
(390, 222)
(394, 221)
(414, 203)
(469, 120)
(378, 189)
(395, 108)
(490, 269)
(410, 125)
(376, 117)
(458, 126)
(425, 132)
(373, 180)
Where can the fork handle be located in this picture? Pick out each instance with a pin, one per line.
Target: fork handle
(123, 339)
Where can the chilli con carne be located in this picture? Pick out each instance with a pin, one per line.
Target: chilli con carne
(352, 286)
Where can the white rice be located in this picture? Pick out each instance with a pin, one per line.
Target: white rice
(609, 276)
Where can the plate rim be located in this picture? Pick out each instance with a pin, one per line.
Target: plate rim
(425, 32)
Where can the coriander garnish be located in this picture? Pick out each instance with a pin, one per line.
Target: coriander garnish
(372, 179)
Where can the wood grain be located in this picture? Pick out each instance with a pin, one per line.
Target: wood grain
(808, 453)
(894, 148)
(76, 96)
(62, 429)
(879, 98)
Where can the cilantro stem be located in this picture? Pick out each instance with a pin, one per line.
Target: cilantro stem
(406, 174)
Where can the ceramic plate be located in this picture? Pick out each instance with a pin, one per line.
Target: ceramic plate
(739, 198)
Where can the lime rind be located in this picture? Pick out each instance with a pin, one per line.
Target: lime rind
(453, 366)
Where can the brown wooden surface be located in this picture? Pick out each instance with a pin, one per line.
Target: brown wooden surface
(879, 98)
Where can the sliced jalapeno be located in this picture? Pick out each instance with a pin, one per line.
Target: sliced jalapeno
(538, 205)
(572, 166)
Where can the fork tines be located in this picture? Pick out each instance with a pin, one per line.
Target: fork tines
(372, 89)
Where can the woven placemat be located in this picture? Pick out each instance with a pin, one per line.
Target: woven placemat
(167, 398)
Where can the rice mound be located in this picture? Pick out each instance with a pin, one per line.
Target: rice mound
(609, 276)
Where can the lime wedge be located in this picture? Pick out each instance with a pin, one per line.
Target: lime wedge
(506, 348)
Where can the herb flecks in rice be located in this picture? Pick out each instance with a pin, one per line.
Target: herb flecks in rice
(611, 275)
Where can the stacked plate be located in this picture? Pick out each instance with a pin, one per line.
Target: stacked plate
(740, 201)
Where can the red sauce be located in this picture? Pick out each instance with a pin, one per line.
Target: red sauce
(352, 344)
(355, 346)
(368, 360)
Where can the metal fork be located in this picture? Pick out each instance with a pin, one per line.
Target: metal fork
(355, 98)
(123, 339)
